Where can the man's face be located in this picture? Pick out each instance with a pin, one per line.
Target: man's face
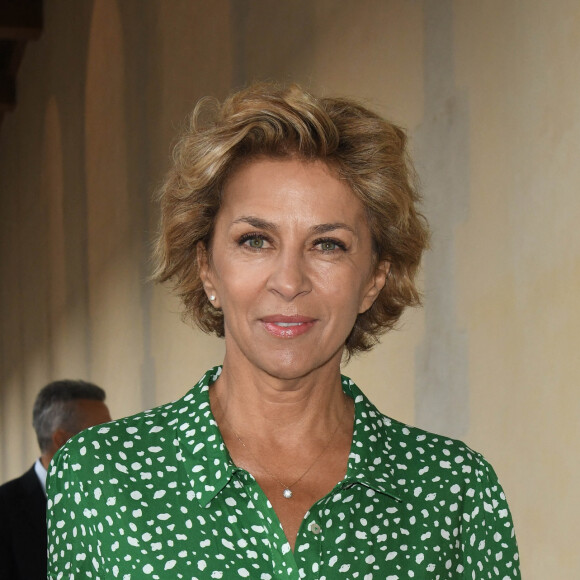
(91, 413)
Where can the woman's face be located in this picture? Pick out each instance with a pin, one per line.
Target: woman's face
(291, 266)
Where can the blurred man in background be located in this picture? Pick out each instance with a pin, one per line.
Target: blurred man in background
(62, 409)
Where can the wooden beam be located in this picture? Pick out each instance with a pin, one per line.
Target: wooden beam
(11, 53)
(7, 93)
(20, 19)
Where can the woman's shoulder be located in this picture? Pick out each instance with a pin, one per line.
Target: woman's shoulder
(405, 439)
(436, 468)
(412, 454)
(114, 445)
(133, 427)
(151, 431)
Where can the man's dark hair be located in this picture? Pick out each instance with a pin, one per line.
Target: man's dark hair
(54, 408)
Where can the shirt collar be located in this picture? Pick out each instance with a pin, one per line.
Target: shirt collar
(41, 474)
(201, 446)
(368, 462)
(209, 465)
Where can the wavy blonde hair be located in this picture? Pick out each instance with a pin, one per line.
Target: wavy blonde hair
(266, 120)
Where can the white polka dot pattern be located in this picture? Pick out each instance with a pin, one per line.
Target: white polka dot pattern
(156, 495)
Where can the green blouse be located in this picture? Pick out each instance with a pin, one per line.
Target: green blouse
(156, 495)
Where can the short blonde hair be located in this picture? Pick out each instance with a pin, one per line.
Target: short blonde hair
(266, 120)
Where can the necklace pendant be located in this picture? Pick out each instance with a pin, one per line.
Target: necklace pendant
(287, 493)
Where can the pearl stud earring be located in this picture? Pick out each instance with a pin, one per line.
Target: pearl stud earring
(212, 297)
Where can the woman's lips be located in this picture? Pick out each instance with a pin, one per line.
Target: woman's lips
(282, 326)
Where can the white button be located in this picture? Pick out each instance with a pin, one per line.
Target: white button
(315, 528)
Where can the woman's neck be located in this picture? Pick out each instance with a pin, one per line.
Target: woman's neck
(259, 405)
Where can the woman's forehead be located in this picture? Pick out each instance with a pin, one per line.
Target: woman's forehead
(290, 188)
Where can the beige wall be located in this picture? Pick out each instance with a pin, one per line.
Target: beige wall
(489, 92)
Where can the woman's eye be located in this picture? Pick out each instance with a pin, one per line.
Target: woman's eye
(256, 243)
(253, 242)
(330, 245)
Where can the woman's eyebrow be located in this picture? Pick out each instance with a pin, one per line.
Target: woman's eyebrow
(325, 228)
(256, 222)
(318, 229)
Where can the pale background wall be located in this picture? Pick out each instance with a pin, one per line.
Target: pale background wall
(489, 92)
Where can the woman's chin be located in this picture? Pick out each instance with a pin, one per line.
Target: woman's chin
(291, 365)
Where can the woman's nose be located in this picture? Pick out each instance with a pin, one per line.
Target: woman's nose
(289, 276)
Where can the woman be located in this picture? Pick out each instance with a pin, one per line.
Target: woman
(289, 228)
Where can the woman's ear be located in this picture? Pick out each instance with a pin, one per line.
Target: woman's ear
(205, 274)
(376, 284)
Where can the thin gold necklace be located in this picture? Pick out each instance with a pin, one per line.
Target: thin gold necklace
(287, 489)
